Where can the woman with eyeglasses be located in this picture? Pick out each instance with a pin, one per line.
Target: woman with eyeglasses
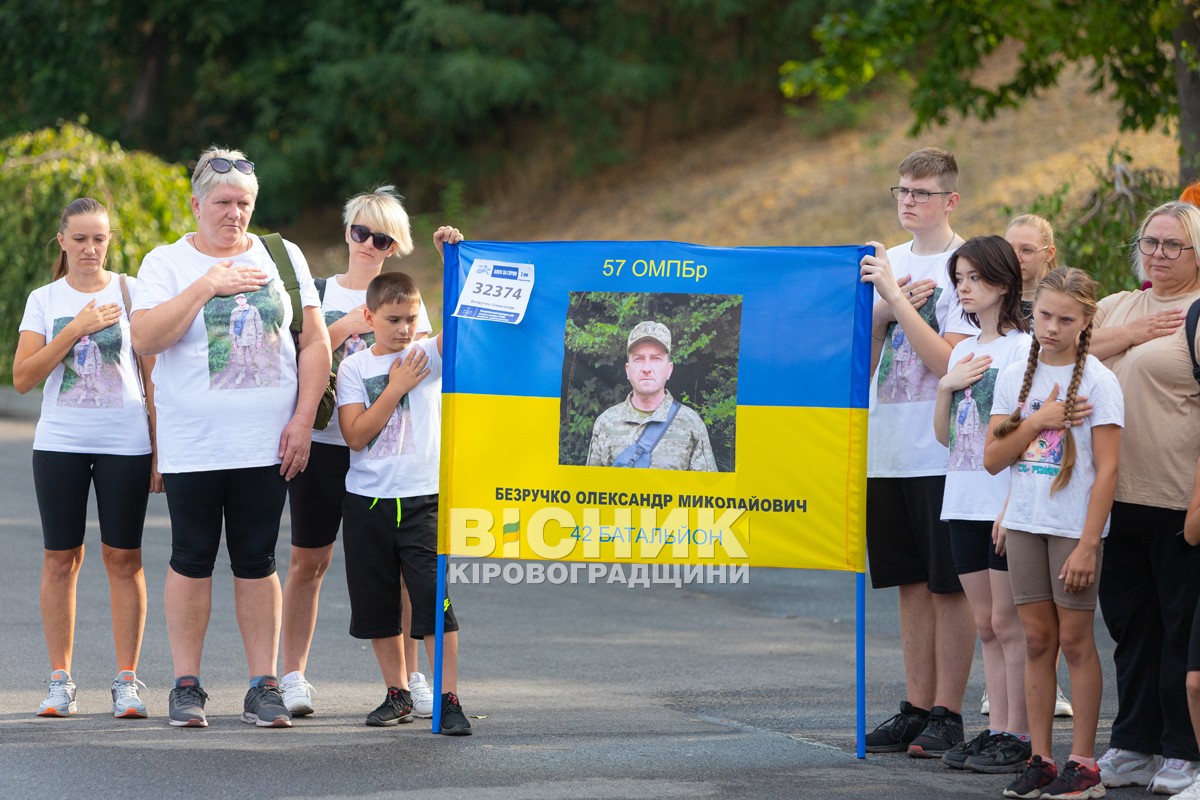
(376, 228)
(227, 445)
(1032, 238)
(1148, 584)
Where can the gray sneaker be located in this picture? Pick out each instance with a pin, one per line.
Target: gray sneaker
(60, 698)
(126, 702)
(264, 706)
(186, 703)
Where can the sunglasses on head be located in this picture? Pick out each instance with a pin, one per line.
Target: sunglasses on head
(360, 233)
(223, 165)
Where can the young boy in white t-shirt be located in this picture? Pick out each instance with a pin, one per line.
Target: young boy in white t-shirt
(390, 413)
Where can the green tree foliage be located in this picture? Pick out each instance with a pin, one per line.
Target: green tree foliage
(332, 96)
(1144, 51)
(705, 332)
(43, 171)
(1096, 234)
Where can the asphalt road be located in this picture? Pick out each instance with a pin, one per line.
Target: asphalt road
(579, 691)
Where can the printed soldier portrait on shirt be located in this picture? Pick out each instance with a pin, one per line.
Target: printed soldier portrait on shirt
(650, 381)
(243, 339)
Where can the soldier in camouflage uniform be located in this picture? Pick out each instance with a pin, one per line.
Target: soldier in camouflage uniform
(684, 444)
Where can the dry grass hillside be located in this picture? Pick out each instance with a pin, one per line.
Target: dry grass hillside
(767, 182)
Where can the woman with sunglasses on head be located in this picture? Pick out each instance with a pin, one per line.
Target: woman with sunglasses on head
(92, 432)
(227, 446)
(376, 228)
(1148, 588)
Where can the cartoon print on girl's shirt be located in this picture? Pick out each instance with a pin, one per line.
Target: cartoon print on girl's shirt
(1044, 454)
(396, 438)
(902, 376)
(968, 430)
(91, 372)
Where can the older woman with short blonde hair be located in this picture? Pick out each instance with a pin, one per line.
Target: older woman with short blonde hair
(227, 446)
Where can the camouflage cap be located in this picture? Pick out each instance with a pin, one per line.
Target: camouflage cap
(649, 330)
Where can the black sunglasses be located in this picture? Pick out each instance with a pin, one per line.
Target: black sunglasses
(360, 233)
(223, 165)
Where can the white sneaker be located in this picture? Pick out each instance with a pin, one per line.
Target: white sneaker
(985, 707)
(1174, 776)
(126, 702)
(297, 696)
(60, 699)
(1190, 793)
(422, 696)
(1127, 768)
(1062, 706)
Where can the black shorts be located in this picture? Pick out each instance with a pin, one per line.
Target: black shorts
(315, 496)
(249, 500)
(907, 542)
(61, 482)
(972, 546)
(383, 539)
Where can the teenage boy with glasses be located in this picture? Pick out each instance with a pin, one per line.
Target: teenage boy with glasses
(916, 322)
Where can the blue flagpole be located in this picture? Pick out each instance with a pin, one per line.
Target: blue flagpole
(860, 647)
(439, 631)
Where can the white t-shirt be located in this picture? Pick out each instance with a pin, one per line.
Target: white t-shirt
(971, 492)
(92, 402)
(900, 440)
(1031, 507)
(402, 461)
(226, 389)
(338, 301)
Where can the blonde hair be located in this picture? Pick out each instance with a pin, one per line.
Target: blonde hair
(205, 179)
(381, 210)
(1188, 216)
(1045, 231)
(1078, 285)
(82, 206)
(932, 162)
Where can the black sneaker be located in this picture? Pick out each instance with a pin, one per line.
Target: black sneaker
(186, 703)
(1004, 753)
(1028, 785)
(454, 721)
(895, 734)
(395, 708)
(956, 756)
(1076, 782)
(264, 706)
(941, 733)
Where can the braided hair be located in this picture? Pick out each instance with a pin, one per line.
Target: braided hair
(1078, 285)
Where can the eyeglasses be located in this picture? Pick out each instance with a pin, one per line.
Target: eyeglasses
(223, 165)
(1172, 250)
(918, 195)
(1029, 252)
(360, 233)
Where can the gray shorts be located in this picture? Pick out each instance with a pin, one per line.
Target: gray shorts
(1034, 563)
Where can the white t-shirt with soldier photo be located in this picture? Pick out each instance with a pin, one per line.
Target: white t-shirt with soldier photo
(1031, 506)
(900, 438)
(92, 401)
(225, 390)
(402, 460)
(335, 304)
(971, 492)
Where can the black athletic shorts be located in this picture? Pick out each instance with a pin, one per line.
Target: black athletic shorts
(315, 496)
(61, 482)
(907, 542)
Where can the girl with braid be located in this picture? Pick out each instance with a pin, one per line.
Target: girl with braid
(1061, 448)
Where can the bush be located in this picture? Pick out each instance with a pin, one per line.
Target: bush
(40, 172)
(1097, 234)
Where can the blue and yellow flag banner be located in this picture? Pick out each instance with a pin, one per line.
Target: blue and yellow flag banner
(657, 402)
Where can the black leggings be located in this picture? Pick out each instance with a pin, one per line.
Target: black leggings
(61, 482)
(249, 500)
